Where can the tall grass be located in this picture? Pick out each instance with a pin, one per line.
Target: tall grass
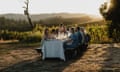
(99, 34)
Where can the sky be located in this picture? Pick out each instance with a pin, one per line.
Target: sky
(51, 6)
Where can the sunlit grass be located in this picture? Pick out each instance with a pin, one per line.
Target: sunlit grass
(5, 48)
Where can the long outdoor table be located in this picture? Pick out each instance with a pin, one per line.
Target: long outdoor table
(53, 49)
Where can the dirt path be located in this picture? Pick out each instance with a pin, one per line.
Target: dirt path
(98, 57)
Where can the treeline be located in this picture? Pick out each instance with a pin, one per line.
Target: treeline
(13, 25)
(66, 21)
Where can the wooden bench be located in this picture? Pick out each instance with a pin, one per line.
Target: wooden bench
(39, 50)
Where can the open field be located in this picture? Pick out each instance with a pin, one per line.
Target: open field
(16, 57)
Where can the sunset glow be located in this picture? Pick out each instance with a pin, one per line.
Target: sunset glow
(52, 6)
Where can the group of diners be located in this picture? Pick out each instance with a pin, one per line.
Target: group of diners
(72, 36)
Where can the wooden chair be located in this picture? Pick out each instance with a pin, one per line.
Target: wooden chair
(70, 53)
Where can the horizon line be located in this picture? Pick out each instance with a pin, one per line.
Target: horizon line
(54, 13)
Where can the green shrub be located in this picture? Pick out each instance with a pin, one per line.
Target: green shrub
(8, 35)
(30, 37)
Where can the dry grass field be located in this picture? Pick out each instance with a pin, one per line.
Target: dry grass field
(17, 57)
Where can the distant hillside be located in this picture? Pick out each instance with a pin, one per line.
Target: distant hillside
(37, 17)
(16, 22)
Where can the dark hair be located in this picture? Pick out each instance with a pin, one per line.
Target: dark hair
(53, 31)
(61, 25)
(68, 28)
(45, 31)
(72, 29)
(78, 28)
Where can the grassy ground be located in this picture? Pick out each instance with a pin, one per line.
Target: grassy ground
(19, 57)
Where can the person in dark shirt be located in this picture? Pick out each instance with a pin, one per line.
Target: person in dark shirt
(78, 34)
(72, 42)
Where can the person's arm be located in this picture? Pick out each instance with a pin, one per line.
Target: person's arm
(69, 40)
(42, 41)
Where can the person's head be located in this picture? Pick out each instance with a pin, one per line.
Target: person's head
(61, 25)
(82, 29)
(53, 31)
(46, 31)
(72, 30)
(68, 28)
(77, 28)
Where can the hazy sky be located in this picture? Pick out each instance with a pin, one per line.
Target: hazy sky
(52, 6)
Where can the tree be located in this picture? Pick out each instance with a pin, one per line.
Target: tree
(111, 11)
(26, 12)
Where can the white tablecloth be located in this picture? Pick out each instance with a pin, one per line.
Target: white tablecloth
(53, 49)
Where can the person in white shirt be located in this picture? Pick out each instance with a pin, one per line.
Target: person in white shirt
(53, 34)
(62, 32)
(68, 32)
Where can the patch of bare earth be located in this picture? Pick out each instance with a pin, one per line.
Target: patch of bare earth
(98, 57)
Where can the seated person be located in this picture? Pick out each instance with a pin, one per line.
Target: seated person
(87, 38)
(68, 32)
(72, 42)
(61, 28)
(56, 31)
(53, 34)
(45, 36)
(83, 35)
(79, 35)
(62, 34)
